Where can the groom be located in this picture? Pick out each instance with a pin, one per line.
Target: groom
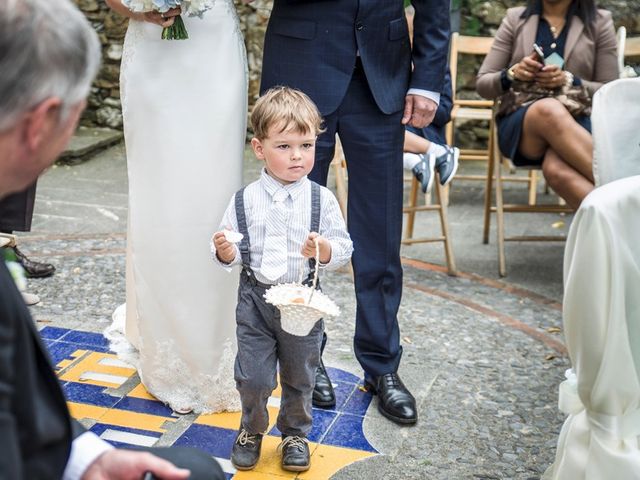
(354, 59)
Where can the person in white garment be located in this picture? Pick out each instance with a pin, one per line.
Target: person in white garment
(184, 107)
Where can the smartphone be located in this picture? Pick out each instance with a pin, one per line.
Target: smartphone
(539, 53)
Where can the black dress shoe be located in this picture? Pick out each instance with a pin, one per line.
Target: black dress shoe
(295, 454)
(323, 394)
(31, 268)
(246, 450)
(394, 400)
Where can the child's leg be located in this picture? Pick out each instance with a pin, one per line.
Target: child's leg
(299, 358)
(255, 367)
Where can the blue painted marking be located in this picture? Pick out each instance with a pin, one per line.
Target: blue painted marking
(338, 375)
(347, 432)
(358, 403)
(59, 351)
(89, 394)
(343, 391)
(88, 338)
(143, 405)
(53, 333)
(322, 421)
(213, 440)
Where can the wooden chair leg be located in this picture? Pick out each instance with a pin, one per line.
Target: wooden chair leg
(411, 215)
(502, 267)
(445, 195)
(341, 186)
(533, 187)
(488, 193)
(444, 225)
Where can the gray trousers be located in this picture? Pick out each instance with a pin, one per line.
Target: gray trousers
(262, 344)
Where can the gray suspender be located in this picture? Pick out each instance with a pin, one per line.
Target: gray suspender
(242, 226)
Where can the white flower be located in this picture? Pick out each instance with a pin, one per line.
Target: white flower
(195, 8)
(139, 6)
(231, 236)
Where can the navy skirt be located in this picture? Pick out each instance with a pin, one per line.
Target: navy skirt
(510, 130)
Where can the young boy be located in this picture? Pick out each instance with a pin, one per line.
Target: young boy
(280, 216)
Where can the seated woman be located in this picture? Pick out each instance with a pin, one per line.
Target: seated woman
(426, 148)
(579, 48)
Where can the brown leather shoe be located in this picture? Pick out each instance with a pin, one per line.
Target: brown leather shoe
(31, 268)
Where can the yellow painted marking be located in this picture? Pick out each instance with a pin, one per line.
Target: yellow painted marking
(140, 392)
(65, 363)
(142, 421)
(82, 410)
(231, 420)
(122, 418)
(269, 463)
(326, 460)
(91, 364)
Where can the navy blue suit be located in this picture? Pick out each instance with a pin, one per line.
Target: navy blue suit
(353, 58)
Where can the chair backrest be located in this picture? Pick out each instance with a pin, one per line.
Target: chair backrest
(632, 47)
(627, 47)
(615, 118)
(466, 45)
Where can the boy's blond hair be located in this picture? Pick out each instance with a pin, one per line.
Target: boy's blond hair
(288, 108)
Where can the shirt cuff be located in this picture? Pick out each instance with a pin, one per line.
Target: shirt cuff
(84, 451)
(435, 96)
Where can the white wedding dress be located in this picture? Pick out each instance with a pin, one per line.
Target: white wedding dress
(184, 106)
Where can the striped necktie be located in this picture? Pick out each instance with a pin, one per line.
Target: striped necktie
(274, 252)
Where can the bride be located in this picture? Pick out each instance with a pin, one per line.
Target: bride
(184, 104)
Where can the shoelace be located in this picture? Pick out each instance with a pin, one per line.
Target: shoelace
(392, 380)
(245, 438)
(294, 442)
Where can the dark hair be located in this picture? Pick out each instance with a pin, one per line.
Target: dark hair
(584, 9)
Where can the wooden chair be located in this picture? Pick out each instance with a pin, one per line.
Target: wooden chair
(464, 109)
(500, 208)
(627, 48)
(412, 207)
(339, 167)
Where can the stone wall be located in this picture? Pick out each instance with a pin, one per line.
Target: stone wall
(477, 17)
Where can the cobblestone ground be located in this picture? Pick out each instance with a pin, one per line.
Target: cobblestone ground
(482, 356)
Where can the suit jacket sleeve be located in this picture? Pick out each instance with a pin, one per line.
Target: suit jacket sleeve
(430, 44)
(488, 80)
(443, 113)
(606, 63)
(10, 458)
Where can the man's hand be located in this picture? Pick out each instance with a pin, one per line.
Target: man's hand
(418, 111)
(225, 250)
(309, 247)
(118, 464)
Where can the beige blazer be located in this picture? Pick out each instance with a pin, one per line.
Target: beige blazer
(589, 55)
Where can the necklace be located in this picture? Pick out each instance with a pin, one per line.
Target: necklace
(555, 29)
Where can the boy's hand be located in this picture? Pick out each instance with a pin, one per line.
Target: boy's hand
(225, 250)
(309, 247)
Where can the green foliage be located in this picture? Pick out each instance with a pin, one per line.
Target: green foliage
(471, 26)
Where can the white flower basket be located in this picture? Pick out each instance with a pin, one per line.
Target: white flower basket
(301, 306)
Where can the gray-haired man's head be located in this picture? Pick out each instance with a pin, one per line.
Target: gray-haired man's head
(47, 49)
(49, 55)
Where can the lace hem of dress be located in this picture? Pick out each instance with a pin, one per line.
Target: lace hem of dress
(171, 381)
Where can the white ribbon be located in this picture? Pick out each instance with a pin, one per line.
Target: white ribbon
(618, 427)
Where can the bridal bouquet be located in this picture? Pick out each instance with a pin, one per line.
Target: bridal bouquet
(177, 31)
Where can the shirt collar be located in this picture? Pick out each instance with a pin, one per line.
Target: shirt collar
(271, 185)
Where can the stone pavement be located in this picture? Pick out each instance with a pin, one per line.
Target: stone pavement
(482, 355)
